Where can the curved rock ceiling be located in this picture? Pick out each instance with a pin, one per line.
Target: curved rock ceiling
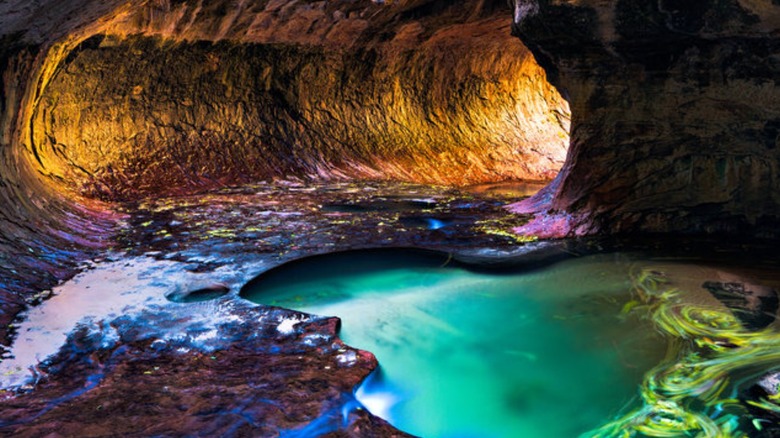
(182, 96)
(139, 116)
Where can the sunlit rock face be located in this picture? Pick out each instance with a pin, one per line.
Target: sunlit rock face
(675, 122)
(117, 100)
(181, 97)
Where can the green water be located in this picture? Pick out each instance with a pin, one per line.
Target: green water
(466, 354)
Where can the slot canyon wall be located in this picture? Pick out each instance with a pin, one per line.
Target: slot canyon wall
(186, 116)
(193, 94)
(674, 129)
(110, 101)
(675, 114)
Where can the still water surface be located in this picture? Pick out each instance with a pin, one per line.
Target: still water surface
(468, 354)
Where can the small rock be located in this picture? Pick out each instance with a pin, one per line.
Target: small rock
(753, 305)
(207, 293)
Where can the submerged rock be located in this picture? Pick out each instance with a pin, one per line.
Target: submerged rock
(754, 306)
(760, 400)
(210, 292)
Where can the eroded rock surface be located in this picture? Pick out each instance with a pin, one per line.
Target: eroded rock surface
(267, 372)
(127, 351)
(141, 116)
(184, 96)
(675, 122)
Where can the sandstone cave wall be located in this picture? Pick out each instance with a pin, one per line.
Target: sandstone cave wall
(43, 237)
(138, 116)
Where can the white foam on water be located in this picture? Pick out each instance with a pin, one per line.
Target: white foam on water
(287, 325)
(109, 290)
(378, 402)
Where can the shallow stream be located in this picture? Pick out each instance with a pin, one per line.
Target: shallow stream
(479, 334)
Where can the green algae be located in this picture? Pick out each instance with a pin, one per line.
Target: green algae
(693, 392)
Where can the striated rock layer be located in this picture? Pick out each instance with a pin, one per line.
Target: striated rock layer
(178, 97)
(675, 116)
(124, 117)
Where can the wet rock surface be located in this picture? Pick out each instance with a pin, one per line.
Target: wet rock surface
(674, 121)
(149, 365)
(287, 220)
(261, 382)
(146, 365)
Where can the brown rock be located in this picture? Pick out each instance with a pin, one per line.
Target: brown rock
(260, 382)
(674, 114)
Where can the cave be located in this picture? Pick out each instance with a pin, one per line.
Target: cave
(389, 218)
